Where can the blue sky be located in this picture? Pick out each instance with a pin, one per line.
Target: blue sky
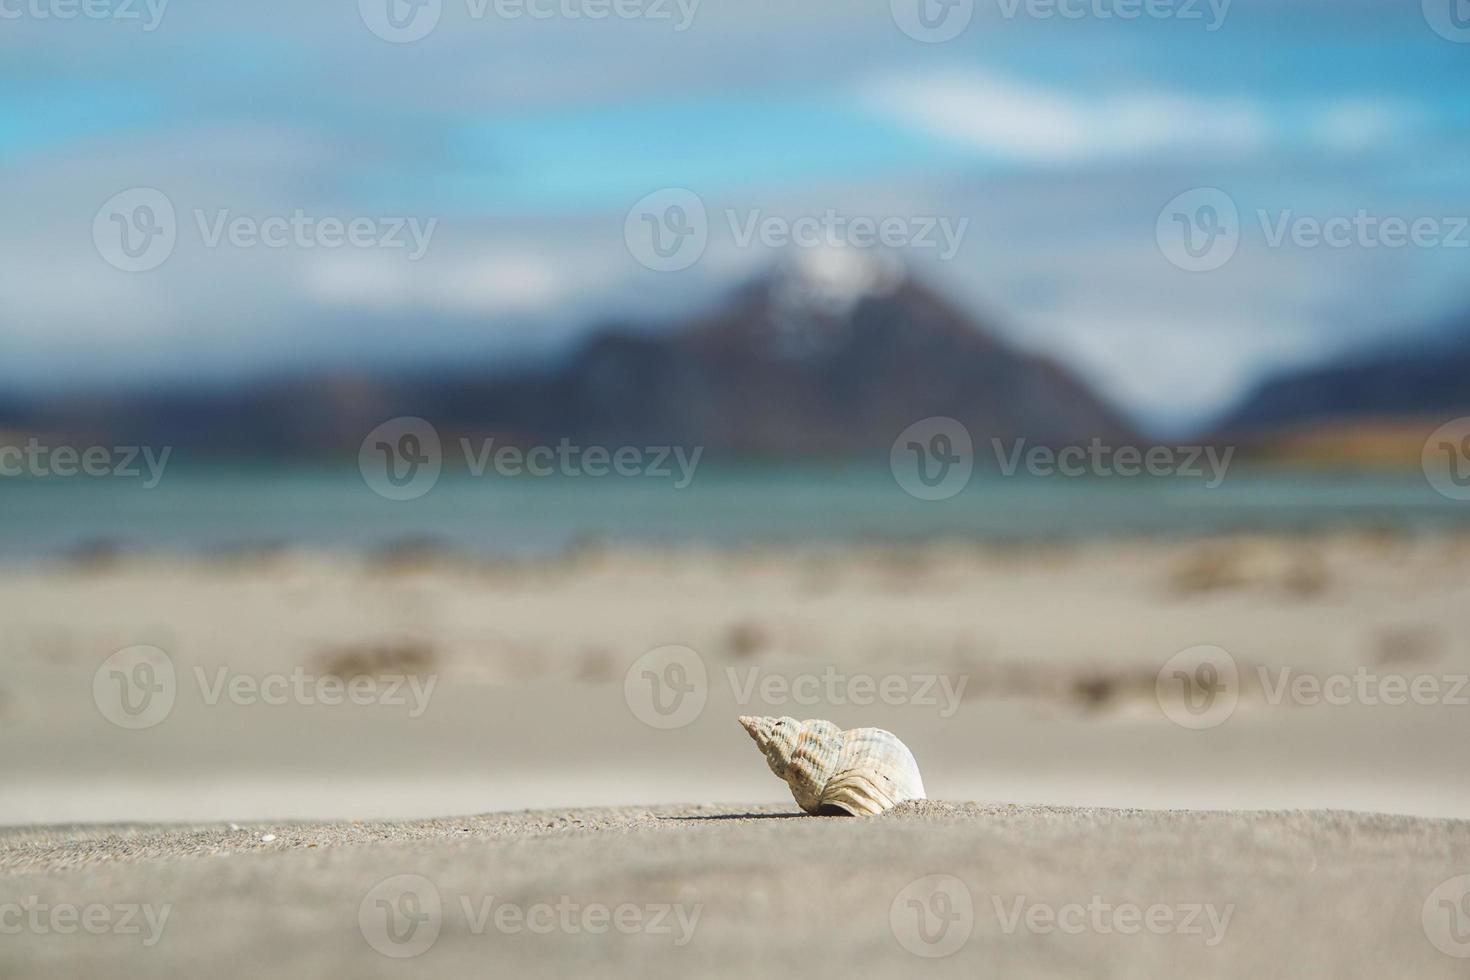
(527, 142)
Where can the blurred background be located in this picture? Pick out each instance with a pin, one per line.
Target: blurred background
(506, 344)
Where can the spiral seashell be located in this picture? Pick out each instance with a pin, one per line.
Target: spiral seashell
(860, 771)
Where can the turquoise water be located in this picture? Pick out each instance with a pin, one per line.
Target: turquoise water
(333, 508)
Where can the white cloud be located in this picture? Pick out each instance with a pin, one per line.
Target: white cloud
(1032, 124)
(1359, 124)
(488, 282)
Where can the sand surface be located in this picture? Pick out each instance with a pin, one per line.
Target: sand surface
(1052, 650)
(231, 836)
(751, 891)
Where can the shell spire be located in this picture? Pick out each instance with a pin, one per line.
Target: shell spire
(860, 771)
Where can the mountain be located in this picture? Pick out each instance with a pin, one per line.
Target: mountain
(788, 366)
(1364, 408)
(1427, 380)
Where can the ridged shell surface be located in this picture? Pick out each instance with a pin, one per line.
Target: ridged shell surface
(860, 771)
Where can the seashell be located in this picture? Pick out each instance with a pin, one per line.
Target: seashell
(860, 771)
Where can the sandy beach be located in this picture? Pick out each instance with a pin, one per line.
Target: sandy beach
(736, 891)
(318, 718)
(656, 488)
(1018, 674)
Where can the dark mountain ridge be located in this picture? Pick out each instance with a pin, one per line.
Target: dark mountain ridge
(783, 369)
(1429, 378)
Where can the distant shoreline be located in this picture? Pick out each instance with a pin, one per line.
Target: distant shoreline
(252, 511)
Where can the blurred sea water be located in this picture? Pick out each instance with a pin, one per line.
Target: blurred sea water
(333, 509)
